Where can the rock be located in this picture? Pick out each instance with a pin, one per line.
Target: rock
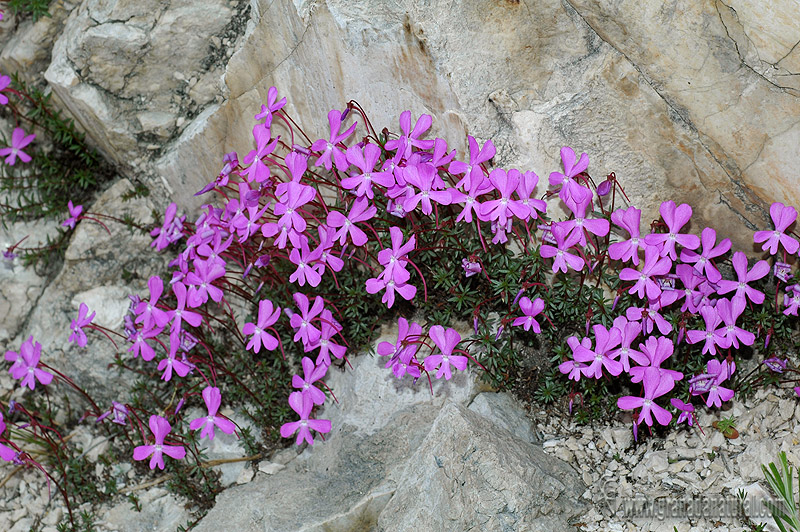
(755, 506)
(505, 412)
(476, 476)
(245, 476)
(270, 468)
(756, 453)
(113, 62)
(93, 272)
(338, 485)
(685, 139)
(364, 390)
(786, 408)
(161, 512)
(27, 52)
(20, 286)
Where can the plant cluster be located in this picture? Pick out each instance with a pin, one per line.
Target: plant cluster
(311, 245)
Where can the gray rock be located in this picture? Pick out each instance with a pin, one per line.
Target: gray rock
(505, 412)
(161, 512)
(112, 68)
(470, 474)
(20, 286)
(93, 273)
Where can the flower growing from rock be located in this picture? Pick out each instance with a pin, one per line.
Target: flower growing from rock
(74, 215)
(78, 336)
(160, 428)
(302, 404)
(25, 364)
(213, 398)
(18, 141)
(782, 216)
(446, 341)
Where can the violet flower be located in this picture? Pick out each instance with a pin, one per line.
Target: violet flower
(74, 215)
(782, 216)
(267, 316)
(446, 341)
(160, 428)
(18, 141)
(212, 398)
(302, 405)
(78, 336)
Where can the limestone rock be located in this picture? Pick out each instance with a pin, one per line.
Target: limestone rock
(476, 476)
(161, 512)
(20, 286)
(504, 411)
(93, 269)
(112, 68)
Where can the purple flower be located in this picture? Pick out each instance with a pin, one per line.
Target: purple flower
(604, 188)
(18, 141)
(403, 350)
(760, 269)
(329, 328)
(720, 372)
(5, 81)
(181, 367)
(471, 266)
(25, 364)
(306, 271)
(160, 428)
(782, 271)
(267, 316)
(180, 314)
(78, 336)
(629, 219)
(360, 211)
(472, 171)
(119, 412)
(170, 231)
(74, 215)
(686, 409)
(564, 241)
(504, 208)
(331, 153)
(393, 259)
(653, 265)
(530, 309)
(675, 218)
(423, 177)
(302, 404)
(365, 161)
(569, 187)
(629, 331)
(656, 350)
(411, 137)
(791, 302)
(213, 398)
(782, 216)
(655, 385)
(712, 335)
(730, 311)
(702, 262)
(446, 341)
(775, 364)
(140, 347)
(579, 224)
(304, 330)
(311, 374)
(147, 313)
(599, 357)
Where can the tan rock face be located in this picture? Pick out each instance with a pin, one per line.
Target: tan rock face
(691, 101)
